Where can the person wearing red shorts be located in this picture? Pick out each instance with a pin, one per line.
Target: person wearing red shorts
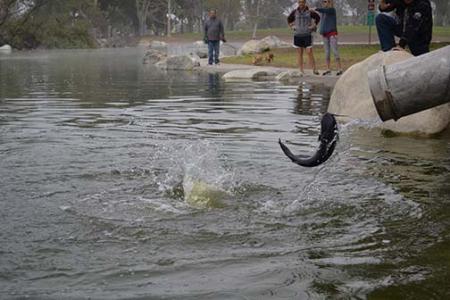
(328, 30)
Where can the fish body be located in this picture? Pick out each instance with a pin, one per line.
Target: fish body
(328, 138)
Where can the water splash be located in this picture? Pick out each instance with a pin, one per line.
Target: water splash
(196, 172)
(369, 124)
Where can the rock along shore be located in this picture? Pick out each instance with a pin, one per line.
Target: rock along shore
(194, 58)
(236, 72)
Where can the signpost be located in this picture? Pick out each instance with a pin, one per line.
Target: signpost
(370, 17)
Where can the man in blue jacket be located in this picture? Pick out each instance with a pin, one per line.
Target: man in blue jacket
(411, 20)
(214, 33)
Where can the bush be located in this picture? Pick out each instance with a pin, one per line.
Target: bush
(72, 35)
(52, 34)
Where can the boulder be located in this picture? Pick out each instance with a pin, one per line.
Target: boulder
(116, 41)
(227, 49)
(153, 56)
(195, 58)
(251, 74)
(259, 46)
(289, 75)
(102, 43)
(200, 48)
(162, 64)
(253, 46)
(275, 42)
(179, 62)
(158, 45)
(5, 49)
(351, 98)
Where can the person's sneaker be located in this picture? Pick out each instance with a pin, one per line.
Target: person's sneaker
(327, 72)
(315, 72)
(339, 72)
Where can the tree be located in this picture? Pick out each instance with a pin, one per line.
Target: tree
(265, 13)
(15, 14)
(118, 14)
(142, 11)
(5, 10)
(256, 18)
(51, 23)
(151, 13)
(229, 11)
(359, 9)
(442, 12)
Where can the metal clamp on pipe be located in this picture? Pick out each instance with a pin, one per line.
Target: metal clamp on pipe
(411, 86)
(381, 94)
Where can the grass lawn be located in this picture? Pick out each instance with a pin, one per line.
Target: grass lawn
(442, 31)
(287, 57)
(348, 31)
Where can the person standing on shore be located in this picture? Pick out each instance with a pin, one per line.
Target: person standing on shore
(214, 33)
(410, 20)
(304, 22)
(328, 30)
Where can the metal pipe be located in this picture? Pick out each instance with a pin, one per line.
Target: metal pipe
(411, 86)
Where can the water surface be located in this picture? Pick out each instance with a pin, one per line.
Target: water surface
(100, 154)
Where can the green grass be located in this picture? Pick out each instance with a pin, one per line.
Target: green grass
(441, 31)
(287, 57)
(286, 33)
(281, 32)
(343, 29)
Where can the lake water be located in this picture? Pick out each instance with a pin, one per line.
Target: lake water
(121, 181)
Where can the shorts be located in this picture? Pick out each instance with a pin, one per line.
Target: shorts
(303, 41)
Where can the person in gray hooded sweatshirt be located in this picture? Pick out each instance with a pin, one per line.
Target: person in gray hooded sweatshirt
(304, 22)
(214, 33)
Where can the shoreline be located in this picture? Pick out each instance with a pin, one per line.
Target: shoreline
(223, 68)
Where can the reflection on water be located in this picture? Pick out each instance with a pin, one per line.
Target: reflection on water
(312, 99)
(120, 180)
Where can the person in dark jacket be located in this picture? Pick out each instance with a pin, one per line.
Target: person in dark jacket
(214, 33)
(411, 20)
(328, 30)
(304, 22)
